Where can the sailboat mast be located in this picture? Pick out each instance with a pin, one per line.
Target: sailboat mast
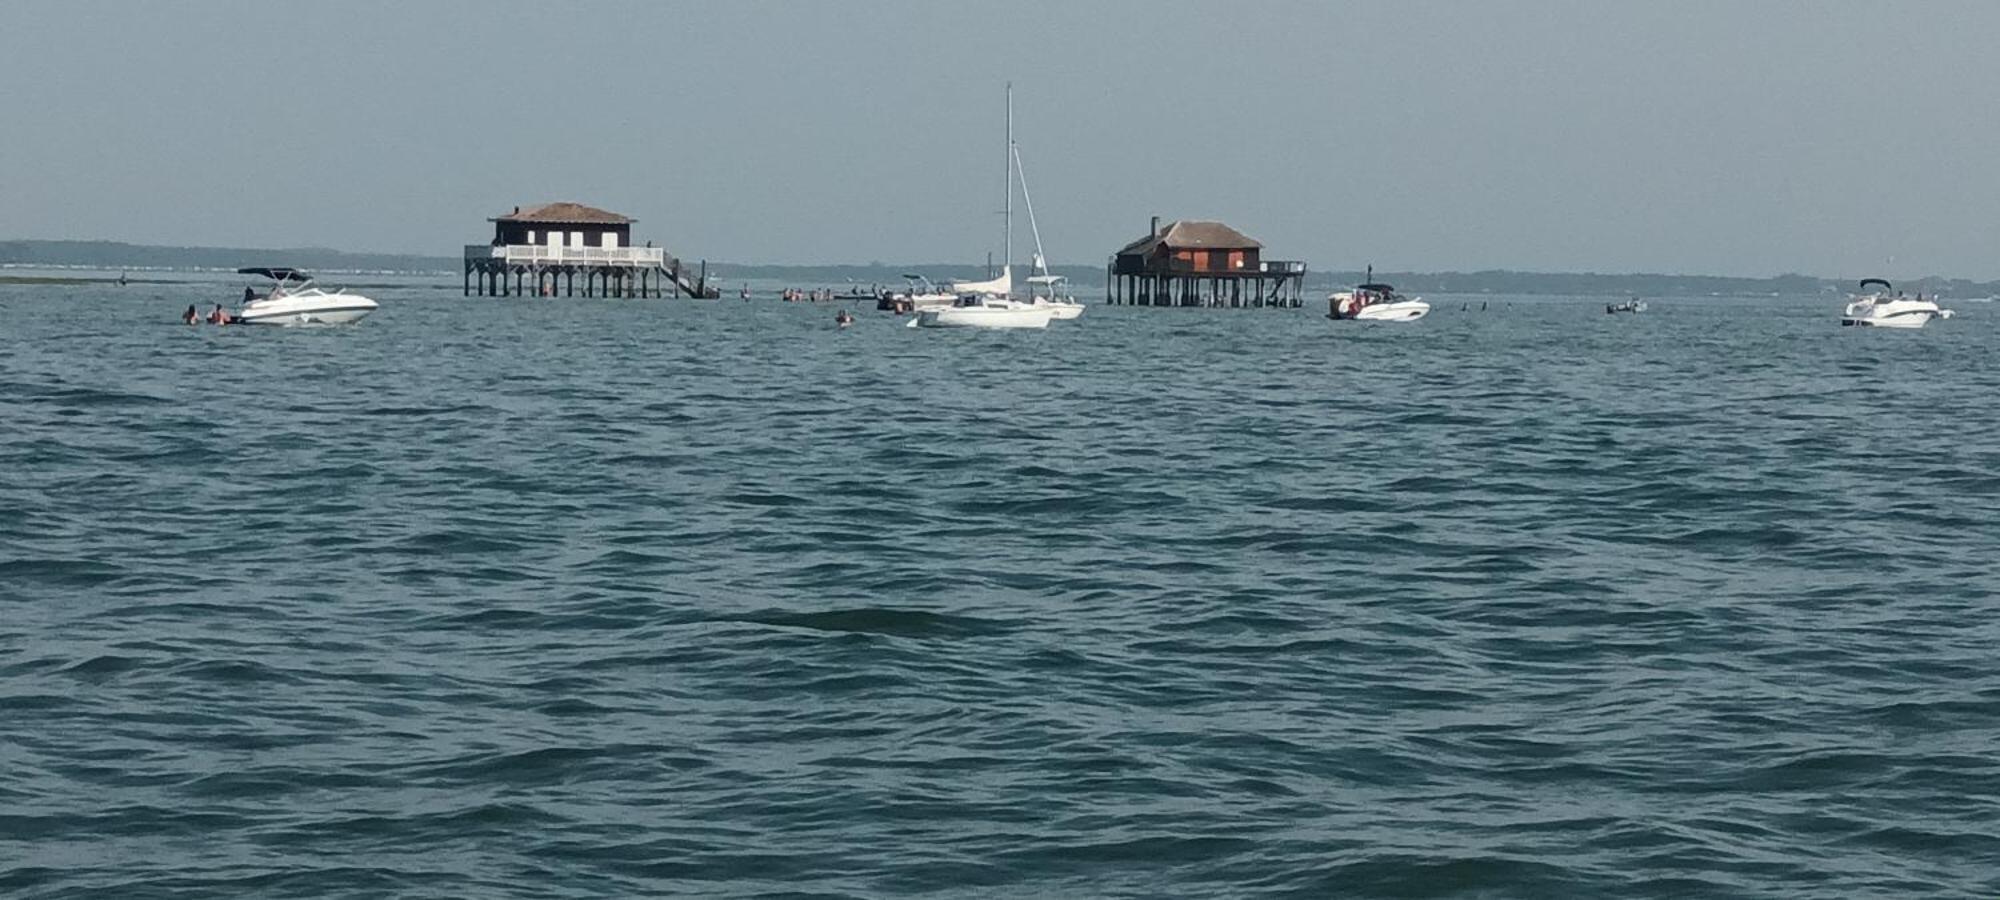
(1040, 262)
(1008, 213)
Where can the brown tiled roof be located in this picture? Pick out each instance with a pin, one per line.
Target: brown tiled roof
(563, 212)
(1192, 235)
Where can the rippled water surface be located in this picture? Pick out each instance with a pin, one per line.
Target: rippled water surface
(595, 598)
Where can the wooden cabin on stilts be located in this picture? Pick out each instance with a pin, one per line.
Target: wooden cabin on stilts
(1196, 263)
(567, 249)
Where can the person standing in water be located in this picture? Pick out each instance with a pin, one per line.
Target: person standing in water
(218, 316)
(190, 317)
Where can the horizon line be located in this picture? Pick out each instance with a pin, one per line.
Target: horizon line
(877, 264)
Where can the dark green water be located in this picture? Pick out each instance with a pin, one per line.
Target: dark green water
(607, 599)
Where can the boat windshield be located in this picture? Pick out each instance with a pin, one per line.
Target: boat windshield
(284, 280)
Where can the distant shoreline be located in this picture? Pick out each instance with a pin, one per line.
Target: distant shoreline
(64, 279)
(100, 256)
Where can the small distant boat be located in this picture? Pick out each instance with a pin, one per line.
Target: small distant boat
(1634, 305)
(1375, 302)
(1878, 309)
(294, 300)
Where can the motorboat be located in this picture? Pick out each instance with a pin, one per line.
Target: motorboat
(985, 311)
(1371, 301)
(1052, 291)
(1880, 309)
(919, 294)
(1634, 305)
(294, 299)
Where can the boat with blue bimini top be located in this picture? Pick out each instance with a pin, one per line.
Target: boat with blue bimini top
(293, 299)
(1878, 309)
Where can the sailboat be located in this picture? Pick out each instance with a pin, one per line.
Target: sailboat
(990, 303)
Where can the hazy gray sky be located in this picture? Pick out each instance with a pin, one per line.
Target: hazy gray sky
(1743, 138)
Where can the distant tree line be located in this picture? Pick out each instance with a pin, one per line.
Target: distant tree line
(1493, 281)
(114, 255)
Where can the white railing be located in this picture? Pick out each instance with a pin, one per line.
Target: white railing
(544, 255)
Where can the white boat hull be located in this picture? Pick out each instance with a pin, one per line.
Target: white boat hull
(307, 309)
(1888, 322)
(1062, 311)
(1342, 306)
(1888, 312)
(1406, 311)
(985, 317)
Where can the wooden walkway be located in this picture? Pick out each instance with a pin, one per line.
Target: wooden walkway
(534, 270)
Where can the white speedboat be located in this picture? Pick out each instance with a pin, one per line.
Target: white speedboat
(985, 311)
(294, 300)
(1634, 305)
(1877, 309)
(1372, 302)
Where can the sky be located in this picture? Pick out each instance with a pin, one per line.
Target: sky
(1729, 137)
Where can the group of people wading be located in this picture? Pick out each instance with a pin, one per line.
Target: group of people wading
(217, 316)
(820, 295)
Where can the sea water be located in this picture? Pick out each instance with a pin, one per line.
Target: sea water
(611, 598)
